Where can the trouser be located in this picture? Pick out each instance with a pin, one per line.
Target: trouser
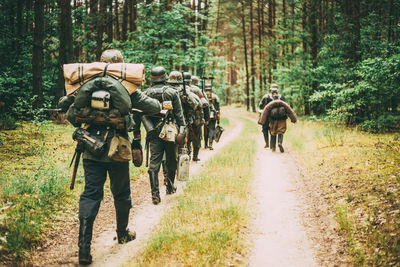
(205, 135)
(95, 177)
(195, 140)
(265, 131)
(157, 149)
(211, 131)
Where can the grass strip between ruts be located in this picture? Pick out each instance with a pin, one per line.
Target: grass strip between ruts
(204, 227)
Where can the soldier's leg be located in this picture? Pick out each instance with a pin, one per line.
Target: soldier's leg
(120, 187)
(197, 144)
(205, 129)
(265, 131)
(89, 204)
(211, 132)
(164, 168)
(280, 141)
(170, 150)
(273, 143)
(157, 151)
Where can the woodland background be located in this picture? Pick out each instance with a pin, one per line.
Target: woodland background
(335, 59)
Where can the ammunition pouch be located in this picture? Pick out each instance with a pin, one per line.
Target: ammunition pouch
(89, 143)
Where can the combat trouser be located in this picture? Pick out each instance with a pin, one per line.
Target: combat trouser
(211, 132)
(265, 131)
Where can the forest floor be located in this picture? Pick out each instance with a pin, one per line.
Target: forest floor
(291, 225)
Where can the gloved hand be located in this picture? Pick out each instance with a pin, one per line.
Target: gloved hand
(180, 139)
(137, 153)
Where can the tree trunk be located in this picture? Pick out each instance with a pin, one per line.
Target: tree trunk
(124, 21)
(116, 20)
(37, 55)
(101, 18)
(110, 22)
(65, 49)
(260, 34)
(253, 67)
(245, 58)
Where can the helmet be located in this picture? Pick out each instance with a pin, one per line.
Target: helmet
(158, 74)
(187, 77)
(111, 56)
(274, 92)
(195, 80)
(175, 77)
(273, 85)
(207, 87)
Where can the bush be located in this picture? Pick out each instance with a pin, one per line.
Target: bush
(384, 123)
(7, 122)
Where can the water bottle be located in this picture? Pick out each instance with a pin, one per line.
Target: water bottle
(183, 165)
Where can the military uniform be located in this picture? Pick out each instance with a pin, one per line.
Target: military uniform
(214, 118)
(162, 92)
(96, 169)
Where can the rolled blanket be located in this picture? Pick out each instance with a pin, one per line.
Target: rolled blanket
(277, 103)
(131, 76)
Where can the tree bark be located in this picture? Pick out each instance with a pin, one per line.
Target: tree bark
(260, 34)
(245, 57)
(37, 55)
(116, 20)
(253, 67)
(124, 21)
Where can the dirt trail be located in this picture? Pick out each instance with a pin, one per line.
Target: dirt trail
(61, 249)
(291, 224)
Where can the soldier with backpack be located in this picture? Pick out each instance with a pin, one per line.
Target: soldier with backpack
(104, 105)
(275, 114)
(215, 116)
(169, 132)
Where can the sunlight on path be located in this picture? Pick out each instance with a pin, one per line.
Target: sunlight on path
(279, 237)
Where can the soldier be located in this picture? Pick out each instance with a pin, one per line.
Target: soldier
(215, 115)
(191, 103)
(199, 118)
(96, 169)
(267, 98)
(170, 99)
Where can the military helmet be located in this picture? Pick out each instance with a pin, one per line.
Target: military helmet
(274, 91)
(187, 77)
(175, 77)
(195, 80)
(208, 87)
(111, 56)
(273, 85)
(158, 74)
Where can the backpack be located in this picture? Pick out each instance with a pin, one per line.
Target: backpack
(101, 101)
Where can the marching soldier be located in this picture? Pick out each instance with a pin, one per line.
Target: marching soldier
(199, 118)
(266, 99)
(97, 167)
(215, 115)
(170, 100)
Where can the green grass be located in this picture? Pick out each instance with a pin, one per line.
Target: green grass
(204, 227)
(360, 175)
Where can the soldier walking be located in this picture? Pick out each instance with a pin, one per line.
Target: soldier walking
(96, 167)
(215, 115)
(170, 100)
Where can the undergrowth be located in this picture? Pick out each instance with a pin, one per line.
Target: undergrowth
(360, 174)
(204, 227)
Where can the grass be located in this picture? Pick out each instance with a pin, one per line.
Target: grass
(360, 174)
(34, 186)
(204, 227)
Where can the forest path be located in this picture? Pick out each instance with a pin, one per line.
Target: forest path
(292, 223)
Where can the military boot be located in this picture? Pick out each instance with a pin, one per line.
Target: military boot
(170, 188)
(266, 139)
(155, 193)
(84, 240)
(124, 235)
(273, 143)
(280, 140)
(196, 154)
(210, 146)
(165, 171)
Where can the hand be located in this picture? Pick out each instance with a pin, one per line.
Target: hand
(180, 139)
(206, 123)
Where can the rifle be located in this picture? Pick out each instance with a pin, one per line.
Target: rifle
(77, 157)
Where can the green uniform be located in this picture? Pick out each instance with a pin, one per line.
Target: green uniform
(158, 146)
(214, 118)
(198, 123)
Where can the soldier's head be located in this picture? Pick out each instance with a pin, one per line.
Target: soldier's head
(273, 85)
(208, 89)
(158, 74)
(274, 93)
(187, 77)
(195, 80)
(175, 78)
(111, 56)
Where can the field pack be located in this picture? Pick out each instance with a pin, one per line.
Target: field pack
(99, 93)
